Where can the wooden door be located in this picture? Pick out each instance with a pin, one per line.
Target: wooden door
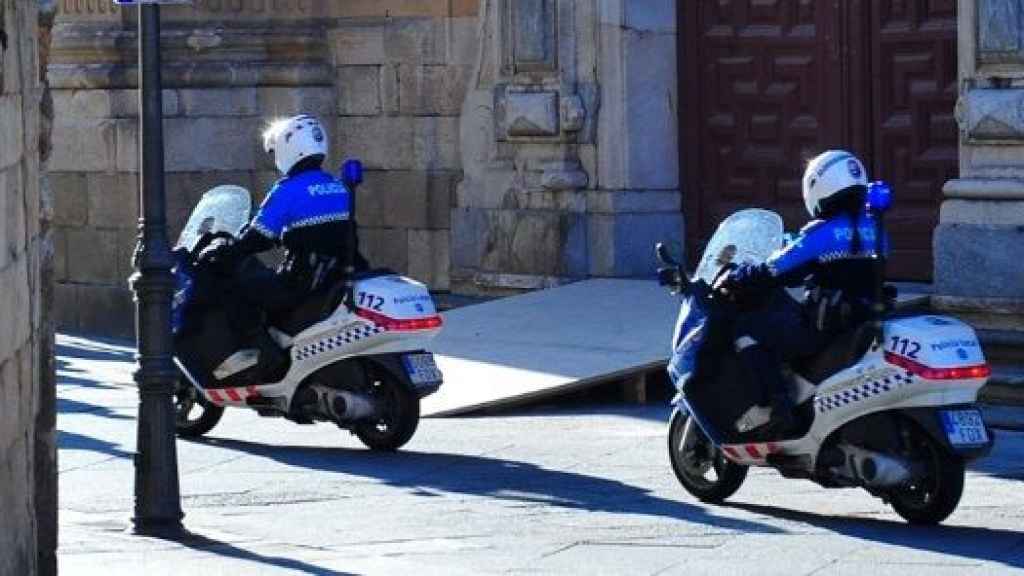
(767, 84)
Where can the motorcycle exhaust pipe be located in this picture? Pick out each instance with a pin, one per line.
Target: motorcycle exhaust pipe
(349, 407)
(877, 470)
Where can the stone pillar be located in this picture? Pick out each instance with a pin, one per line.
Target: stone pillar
(568, 144)
(977, 265)
(28, 499)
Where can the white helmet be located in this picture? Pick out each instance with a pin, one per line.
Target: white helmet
(294, 139)
(828, 175)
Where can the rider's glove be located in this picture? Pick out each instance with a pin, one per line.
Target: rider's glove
(217, 254)
(669, 276)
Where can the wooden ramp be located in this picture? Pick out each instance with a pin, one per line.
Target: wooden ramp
(549, 342)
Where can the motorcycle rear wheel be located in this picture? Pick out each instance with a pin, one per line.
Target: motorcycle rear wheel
(400, 414)
(693, 458)
(933, 498)
(194, 415)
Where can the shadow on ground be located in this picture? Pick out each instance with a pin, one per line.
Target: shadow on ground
(988, 544)
(206, 544)
(73, 441)
(496, 478)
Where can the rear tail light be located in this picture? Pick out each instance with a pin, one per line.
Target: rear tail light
(928, 373)
(394, 324)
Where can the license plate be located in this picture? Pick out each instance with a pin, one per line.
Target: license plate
(422, 369)
(964, 427)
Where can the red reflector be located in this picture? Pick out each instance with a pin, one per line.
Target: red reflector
(928, 373)
(389, 323)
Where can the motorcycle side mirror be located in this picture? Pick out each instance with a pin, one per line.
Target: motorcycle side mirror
(352, 172)
(664, 258)
(879, 197)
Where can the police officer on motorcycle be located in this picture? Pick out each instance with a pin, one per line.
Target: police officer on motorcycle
(308, 213)
(832, 257)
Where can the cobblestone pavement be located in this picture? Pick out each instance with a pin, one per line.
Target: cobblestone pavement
(561, 489)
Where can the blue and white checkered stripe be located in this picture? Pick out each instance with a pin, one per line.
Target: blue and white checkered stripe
(863, 391)
(340, 339)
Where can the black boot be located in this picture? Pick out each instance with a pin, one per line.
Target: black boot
(273, 363)
(783, 418)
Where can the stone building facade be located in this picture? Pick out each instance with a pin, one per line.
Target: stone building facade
(28, 473)
(509, 144)
(978, 268)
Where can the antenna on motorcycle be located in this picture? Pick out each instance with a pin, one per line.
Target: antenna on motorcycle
(878, 202)
(352, 177)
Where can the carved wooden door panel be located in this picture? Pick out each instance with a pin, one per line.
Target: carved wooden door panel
(914, 134)
(761, 95)
(767, 84)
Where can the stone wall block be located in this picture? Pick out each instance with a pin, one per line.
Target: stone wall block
(359, 90)
(127, 149)
(196, 144)
(651, 15)
(113, 200)
(14, 211)
(429, 258)
(86, 145)
(1000, 33)
(83, 103)
(361, 137)
(207, 102)
(973, 261)
(110, 310)
(436, 143)
(385, 247)
(277, 101)
(71, 198)
(66, 307)
(432, 90)
(467, 237)
(994, 115)
(357, 45)
(60, 254)
(415, 40)
(524, 114)
(400, 199)
(390, 89)
(12, 144)
(464, 44)
(92, 256)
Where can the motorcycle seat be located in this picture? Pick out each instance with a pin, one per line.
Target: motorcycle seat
(844, 351)
(318, 305)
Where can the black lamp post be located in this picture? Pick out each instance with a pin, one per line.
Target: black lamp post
(157, 499)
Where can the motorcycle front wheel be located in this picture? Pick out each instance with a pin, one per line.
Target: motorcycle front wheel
(701, 467)
(194, 415)
(399, 414)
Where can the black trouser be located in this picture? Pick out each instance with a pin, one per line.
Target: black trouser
(260, 291)
(772, 334)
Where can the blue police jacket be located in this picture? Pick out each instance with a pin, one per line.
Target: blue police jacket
(308, 199)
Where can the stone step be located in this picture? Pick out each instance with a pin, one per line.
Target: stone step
(1006, 386)
(1003, 346)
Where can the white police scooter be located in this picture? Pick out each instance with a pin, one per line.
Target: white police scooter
(889, 407)
(357, 351)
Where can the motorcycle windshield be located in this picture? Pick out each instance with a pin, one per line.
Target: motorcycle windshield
(746, 237)
(222, 209)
